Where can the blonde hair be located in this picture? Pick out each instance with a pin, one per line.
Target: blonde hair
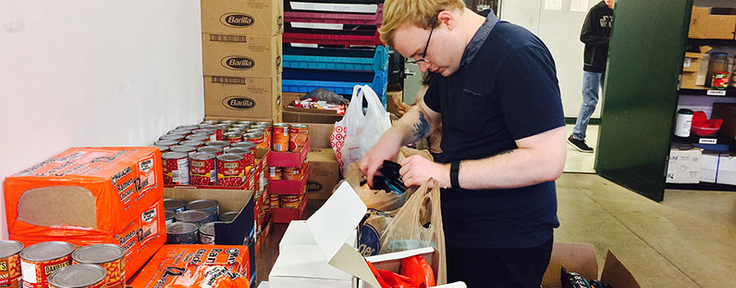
(421, 13)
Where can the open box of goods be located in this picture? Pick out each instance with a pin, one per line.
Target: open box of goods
(573, 263)
(87, 196)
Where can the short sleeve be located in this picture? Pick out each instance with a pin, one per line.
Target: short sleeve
(432, 96)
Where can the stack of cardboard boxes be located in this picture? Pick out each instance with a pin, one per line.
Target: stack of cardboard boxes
(241, 47)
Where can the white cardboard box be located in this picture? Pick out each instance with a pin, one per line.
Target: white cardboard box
(726, 169)
(709, 167)
(684, 166)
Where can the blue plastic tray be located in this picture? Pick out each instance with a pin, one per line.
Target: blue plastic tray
(303, 58)
(307, 80)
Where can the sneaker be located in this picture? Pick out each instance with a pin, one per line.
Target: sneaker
(579, 145)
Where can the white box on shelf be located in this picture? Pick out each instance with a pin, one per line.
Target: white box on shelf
(684, 166)
(726, 169)
(709, 166)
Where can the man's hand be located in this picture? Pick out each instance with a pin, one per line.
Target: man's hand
(386, 149)
(416, 170)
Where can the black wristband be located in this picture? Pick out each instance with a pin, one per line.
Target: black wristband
(454, 171)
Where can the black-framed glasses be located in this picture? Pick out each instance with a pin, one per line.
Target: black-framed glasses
(424, 54)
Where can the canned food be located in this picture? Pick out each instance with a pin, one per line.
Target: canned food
(280, 137)
(223, 126)
(190, 150)
(216, 129)
(182, 233)
(245, 144)
(108, 256)
(206, 205)
(193, 143)
(175, 205)
(275, 201)
(211, 150)
(255, 138)
(166, 143)
(266, 127)
(204, 137)
(38, 261)
(249, 157)
(230, 170)
(202, 169)
(173, 137)
(291, 173)
(298, 136)
(187, 127)
(246, 123)
(255, 130)
(182, 133)
(162, 149)
(175, 168)
(79, 276)
(169, 215)
(229, 216)
(274, 173)
(233, 137)
(211, 122)
(197, 217)
(720, 79)
(240, 126)
(207, 233)
(10, 264)
(210, 134)
(221, 144)
(227, 122)
(290, 201)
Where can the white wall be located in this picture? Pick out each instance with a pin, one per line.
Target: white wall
(560, 31)
(94, 73)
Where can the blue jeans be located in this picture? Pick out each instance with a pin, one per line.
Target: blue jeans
(592, 81)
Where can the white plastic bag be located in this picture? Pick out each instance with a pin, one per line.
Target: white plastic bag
(356, 133)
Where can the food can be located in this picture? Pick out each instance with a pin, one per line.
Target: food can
(217, 136)
(230, 170)
(187, 127)
(108, 256)
(274, 173)
(249, 157)
(211, 150)
(255, 138)
(290, 201)
(166, 143)
(298, 136)
(182, 132)
(175, 168)
(245, 144)
(169, 215)
(10, 264)
(79, 276)
(174, 204)
(240, 126)
(233, 137)
(202, 169)
(221, 144)
(204, 137)
(182, 233)
(209, 133)
(207, 205)
(207, 233)
(266, 127)
(194, 143)
(280, 137)
(38, 261)
(275, 201)
(190, 150)
(173, 137)
(211, 122)
(229, 216)
(197, 217)
(720, 79)
(228, 122)
(246, 123)
(223, 127)
(162, 149)
(290, 173)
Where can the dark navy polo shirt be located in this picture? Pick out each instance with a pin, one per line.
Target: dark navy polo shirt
(505, 89)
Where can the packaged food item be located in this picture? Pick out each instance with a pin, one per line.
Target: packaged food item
(202, 169)
(572, 280)
(280, 134)
(10, 260)
(230, 170)
(174, 204)
(38, 261)
(298, 136)
(107, 256)
(79, 276)
(207, 205)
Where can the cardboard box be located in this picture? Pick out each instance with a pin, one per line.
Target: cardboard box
(89, 196)
(234, 98)
(684, 166)
(727, 112)
(705, 24)
(324, 173)
(241, 55)
(276, 119)
(580, 258)
(394, 100)
(709, 166)
(694, 66)
(298, 115)
(726, 169)
(291, 187)
(243, 17)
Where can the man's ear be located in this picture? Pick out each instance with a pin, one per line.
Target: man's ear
(449, 18)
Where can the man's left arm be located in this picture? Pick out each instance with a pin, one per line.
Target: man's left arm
(538, 158)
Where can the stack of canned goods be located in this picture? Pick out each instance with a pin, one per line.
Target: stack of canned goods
(57, 264)
(193, 222)
(286, 201)
(289, 137)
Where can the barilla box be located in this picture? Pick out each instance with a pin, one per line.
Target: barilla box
(251, 98)
(243, 17)
(179, 264)
(241, 55)
(91, 195)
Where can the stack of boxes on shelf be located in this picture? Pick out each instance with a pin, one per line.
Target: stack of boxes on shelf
(334, 46)
(241, 47)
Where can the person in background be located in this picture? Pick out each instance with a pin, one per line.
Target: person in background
(595, 34)
(502, 147)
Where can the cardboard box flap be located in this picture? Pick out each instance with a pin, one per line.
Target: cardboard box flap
(575, 257)
(616, 274)
(304, 261)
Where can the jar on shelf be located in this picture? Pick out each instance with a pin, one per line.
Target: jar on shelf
(718, 63)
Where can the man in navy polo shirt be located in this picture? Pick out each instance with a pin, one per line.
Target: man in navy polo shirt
(503, 137)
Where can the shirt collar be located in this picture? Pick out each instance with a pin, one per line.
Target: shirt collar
(478, 39)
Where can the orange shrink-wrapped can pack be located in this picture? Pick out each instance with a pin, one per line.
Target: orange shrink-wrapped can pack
(196, 266)
(90, 196)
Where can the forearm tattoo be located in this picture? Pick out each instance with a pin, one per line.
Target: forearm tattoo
(421, 129)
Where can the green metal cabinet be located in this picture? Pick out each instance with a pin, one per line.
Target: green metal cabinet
(640, 94)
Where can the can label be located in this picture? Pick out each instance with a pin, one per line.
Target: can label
(10, 271)
(115, 273)
(280, 138)
(274, 173)
(206, 239)
(36, 274)
(298, 137)
(720, 79)
(176, 171)
(203, 172)
(275, 201)
(230, 173)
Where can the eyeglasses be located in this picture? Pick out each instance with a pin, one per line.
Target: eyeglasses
(424, 54)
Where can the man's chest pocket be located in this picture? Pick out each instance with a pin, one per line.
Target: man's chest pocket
(472, 112)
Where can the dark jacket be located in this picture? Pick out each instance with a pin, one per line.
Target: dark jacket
(595, 34)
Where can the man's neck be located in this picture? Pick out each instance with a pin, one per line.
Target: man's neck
(471, 22)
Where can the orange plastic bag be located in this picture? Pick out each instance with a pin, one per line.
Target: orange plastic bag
(419, 270)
